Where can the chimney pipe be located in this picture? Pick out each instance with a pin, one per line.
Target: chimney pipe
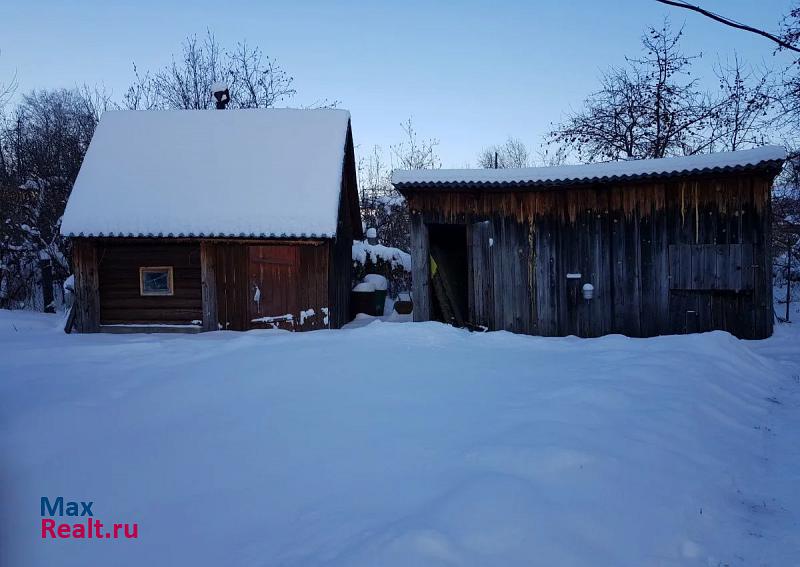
(221, 95)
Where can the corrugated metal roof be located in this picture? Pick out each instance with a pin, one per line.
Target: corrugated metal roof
(765, 157)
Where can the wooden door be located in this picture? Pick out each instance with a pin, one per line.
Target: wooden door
(273, 276)
(481, 275)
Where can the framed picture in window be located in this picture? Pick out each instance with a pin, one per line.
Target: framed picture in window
(156, 280)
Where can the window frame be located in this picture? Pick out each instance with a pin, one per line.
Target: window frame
(170, 281)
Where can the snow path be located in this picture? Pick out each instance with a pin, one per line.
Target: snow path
(401, 444)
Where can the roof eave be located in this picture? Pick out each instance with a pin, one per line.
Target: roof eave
(769, 167)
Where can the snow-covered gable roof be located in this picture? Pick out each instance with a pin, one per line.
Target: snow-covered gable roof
(766, 156)
(235, 173)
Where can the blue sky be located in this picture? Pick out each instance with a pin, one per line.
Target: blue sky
(470, 73)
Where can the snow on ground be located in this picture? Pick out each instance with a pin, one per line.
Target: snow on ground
(401, 444)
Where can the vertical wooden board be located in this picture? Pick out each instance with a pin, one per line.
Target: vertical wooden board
(632, 284)
(312, 286)
(618, 269)
(582, 266)
(746, 264)
(732, 269)
(222, 314)
(735, 215)
(516, 299)
(489, 277)
(511, 298)
(208, 281)
(562, 266)
(661, 269)
(674, 266)
(590, 312)
(498, 275)
(722, 277)
(87, 286)
(698, 267)
(420, 268)
(473, 271)
(675, 312)
(761, 311)
(543, 283)
(767, 254)
(649, 255)
(480, 272)
(243, 298)
(709, 263)
(523, 267)
(533, 275)
(602, 259)
(506, 268)
(717, 311)
(498, 268)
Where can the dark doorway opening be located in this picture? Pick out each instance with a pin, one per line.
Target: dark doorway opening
(449, 272)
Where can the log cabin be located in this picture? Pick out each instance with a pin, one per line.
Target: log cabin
(206, 220)
(641, 248)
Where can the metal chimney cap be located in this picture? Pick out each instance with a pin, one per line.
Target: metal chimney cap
(220, 94)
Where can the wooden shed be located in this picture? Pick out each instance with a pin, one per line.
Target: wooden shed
(206, 220)
(642, 248)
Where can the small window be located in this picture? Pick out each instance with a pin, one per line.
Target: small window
(155, 280)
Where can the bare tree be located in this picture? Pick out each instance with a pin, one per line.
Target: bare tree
(415, 152)
(787, 39)
(650, 108)
(7, 90)
(790, 99)
(253, 79)
(782, 41)
(512, 153)
(382, 207)
(257, 81)
(744, 114)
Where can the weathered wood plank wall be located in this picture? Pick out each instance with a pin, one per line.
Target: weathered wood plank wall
(664, 257)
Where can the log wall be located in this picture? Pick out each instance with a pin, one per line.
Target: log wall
(120, 299)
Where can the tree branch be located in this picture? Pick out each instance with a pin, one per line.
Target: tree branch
(731, 23)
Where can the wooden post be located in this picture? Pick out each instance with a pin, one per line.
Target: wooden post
(420, 268)
(788, 275)
(87, 286)
(46, 269)
(208, 261)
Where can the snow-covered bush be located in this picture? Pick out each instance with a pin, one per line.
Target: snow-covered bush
(392, 263)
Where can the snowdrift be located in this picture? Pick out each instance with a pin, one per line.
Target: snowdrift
(399, 444)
